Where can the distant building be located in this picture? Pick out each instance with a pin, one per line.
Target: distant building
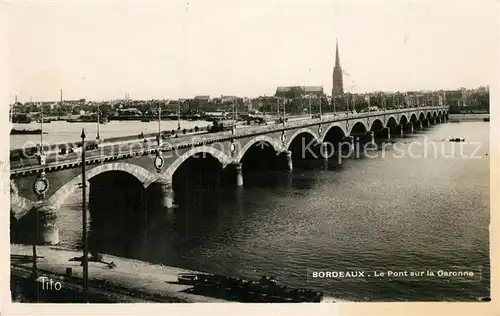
(205, 98)
(248, 103)
(313, 90)
(57, 103)
(454, 95)
(299, 91)
(229, 98)
(257, 103)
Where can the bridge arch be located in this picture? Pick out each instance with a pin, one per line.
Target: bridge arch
(376, 125)
(357, 126)
(336, 128)
(261, 139)
(143, 175)
(214, 152)
(413, 117)
(421, 116)
(391, 121)
(403, 119)
(301, 131)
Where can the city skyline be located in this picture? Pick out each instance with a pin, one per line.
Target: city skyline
(176, 50)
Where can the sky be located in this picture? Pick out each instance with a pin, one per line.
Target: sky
(102, 50)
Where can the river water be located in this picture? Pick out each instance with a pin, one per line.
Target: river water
(398, 211)
(62, 131)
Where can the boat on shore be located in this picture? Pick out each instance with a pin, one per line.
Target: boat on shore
(89, 119)
(14, 131)
(45, 120)
(457, 139)
(266, 289)
(486, 119)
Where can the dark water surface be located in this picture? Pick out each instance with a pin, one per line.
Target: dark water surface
(373, 214)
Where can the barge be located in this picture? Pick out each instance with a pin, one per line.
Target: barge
(14, 131)
(266, 289)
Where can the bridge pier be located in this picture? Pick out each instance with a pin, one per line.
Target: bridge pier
(427, 123)
(433, 121)
(384, 134)
(408, 128)
(364, 138)
(354, 144)
(237, 170)
(370, 138)
(167, 194)
(418, 125)
(285, 160)
(397, 130)
(325, 150)
(47, 232)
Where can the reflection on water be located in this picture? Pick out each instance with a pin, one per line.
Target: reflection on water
(388, 212)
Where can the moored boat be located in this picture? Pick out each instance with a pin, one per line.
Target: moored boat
(14, 131)
(187, 278)
(45, 120)
(266, 289)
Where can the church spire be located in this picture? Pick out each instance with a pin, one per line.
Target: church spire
(338, 84)
(337, 58)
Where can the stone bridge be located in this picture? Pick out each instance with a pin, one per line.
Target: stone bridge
(210, 159)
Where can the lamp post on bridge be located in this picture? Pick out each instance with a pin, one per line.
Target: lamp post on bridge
(40, 196)
(284, 111)
(277, 108)
(320, 110)
(179, 117)
(234, 117)
(98, 122)
(347, 101)
(309, 99)
(85, 257)
(41, 129)
(159, 125)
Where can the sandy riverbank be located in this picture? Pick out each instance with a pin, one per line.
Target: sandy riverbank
(130, 281)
